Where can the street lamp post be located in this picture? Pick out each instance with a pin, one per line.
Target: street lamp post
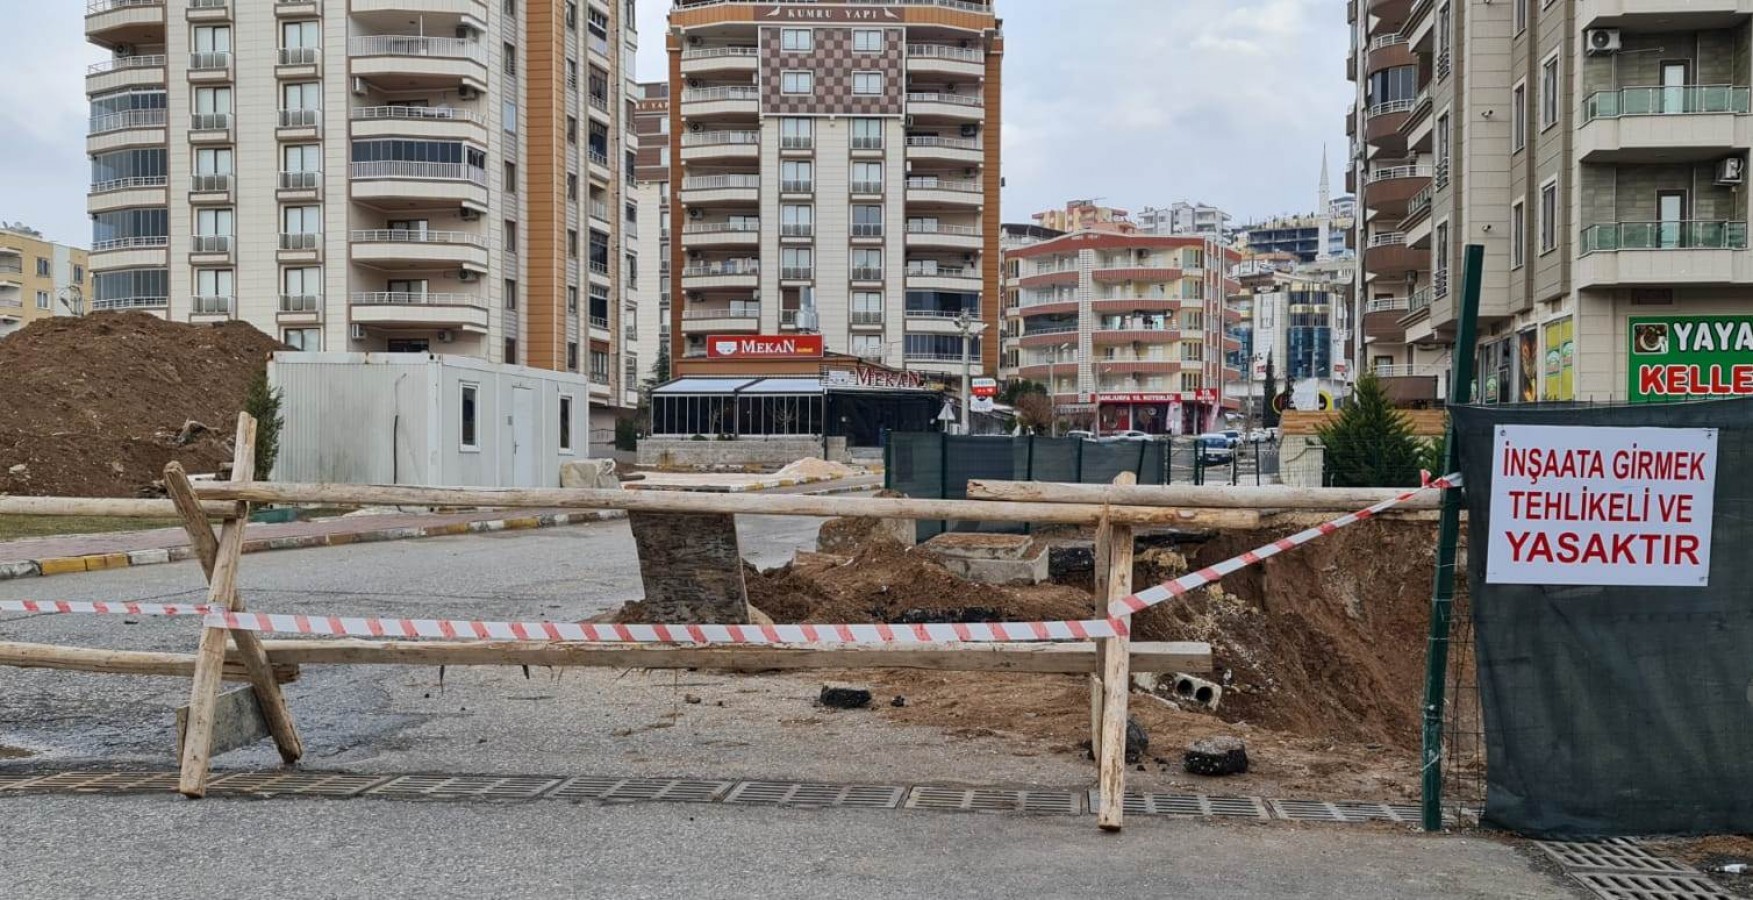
(1053, 387)
(968, 327)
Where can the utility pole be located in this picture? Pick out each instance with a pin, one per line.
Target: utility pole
(968, 327)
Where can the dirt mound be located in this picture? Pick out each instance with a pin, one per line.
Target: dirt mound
(1325, 641)
(812, 467)
(95, 406)
(887, 582)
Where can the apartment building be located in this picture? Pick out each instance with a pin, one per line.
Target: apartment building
(1597, 150)
(449, 176)
(1182, 217)
(38, 279)
(651, 175)
(1013, 237)
(1086, 215)
(838, 172)
(1129, 327)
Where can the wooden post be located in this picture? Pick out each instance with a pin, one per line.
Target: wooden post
(1116, 677)
(221, 572)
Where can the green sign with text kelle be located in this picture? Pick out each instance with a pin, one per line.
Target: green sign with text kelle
(1690, 358)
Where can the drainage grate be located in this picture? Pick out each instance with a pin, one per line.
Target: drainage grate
(118, 782)
(627, 789)
(308, 784)
(451, 787)
(1646, 886)
(1344, 811)
(776, 793)
(1189, 805)
(1617, 854)
(1063, 803)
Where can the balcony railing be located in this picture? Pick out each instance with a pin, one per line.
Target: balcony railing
(1404, 370)
(744, 227)
(142, 242)
(953, 143)
(299, 56)
(300, 181)
(717, 52)
(300, 240)
(1390, 107)
(1688, 235)
(722, 92)
(1388, 239)
(415, 236)
(1666, 101)
(1387, 40)
(867, 187)
(1390, 172)
(1420, 300)
(300, 303)
(797, 273)
(1385, 304)
(415, 45)
(728, 267)
(752, 311)
(212, 306)
(951, 99)
(98, 6)
(945, 51)
(867, 317)
(867, 273)
(940, 228)
(210, 243)
(209, 60)
(720, 182)
(916, 270)
(210, 121)
(432, 171)
(131, 303)
(867, 142)
(934, 183)
(410, 298)
(123, 63)
(1050, 329)
(798, 187)
(796, 142)
(300, 118)
(416, 113)
(708, 138)
(600, 322)
(797, 229)
(132, 118)
(867, 230)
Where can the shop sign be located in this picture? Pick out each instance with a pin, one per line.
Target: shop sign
(1681, 357)
(764, 346)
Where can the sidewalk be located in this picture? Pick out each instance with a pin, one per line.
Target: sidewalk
(94, 552)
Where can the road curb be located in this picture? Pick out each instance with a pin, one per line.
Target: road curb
(97, 562)
(730, 488)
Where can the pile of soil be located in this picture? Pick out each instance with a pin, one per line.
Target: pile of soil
(812, 467)
(96, 406)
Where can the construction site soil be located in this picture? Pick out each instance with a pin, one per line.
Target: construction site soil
(1321, 651)
(95, 406)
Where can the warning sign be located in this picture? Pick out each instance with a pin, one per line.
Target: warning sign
(1602, 506)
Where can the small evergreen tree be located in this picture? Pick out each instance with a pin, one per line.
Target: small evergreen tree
(263, 403)
(1017, 388)
(1371, 443)
(1269, 415)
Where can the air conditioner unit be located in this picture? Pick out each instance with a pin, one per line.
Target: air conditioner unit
(467, 92)
(468, 276)
(464, 32)
(1731, 170)
(358, 86)
(907, 122)
(695, 126)
(445, 336)
(124, 51)
(970, 171)
(695, 212)
(694, 39)
(970, 130)
(356, 332)
(469, 214)
(1600, 41)
(693, 82)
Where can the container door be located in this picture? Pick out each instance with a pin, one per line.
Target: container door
(524, 451)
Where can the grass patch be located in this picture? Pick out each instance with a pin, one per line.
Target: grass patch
(15, 527)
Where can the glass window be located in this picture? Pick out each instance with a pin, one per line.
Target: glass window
(1549, 92)
(867, 177)
(301, 220)
(797, 82)
(566, 409)
(301, 158)
(470, 438)
(796, 134)
(869, 346)
(867, 40)
(867, 83)
(796, 39)
(1518, 234)
(867, 134)
(1519, 117)
(214, 222)
(213, 282)
(796, 219)
(511, 351)
(796, 175)
(300, 35)
(212, 39)
(306, 339)
(1548, 216)
(213, 161)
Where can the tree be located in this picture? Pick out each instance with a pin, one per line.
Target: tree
(1034, 410)
(263, 403)
(1017, 388)
(1269, 393)
(1371, 443)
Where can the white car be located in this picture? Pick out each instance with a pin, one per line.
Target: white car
(1119, 436)
(1081, 435)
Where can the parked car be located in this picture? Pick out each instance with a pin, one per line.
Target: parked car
(1235, 437)
(1081, 435)
(1259, 436)
(1214, 448)
(1120, 436)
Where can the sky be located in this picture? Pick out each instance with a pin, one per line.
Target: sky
(1133, 102)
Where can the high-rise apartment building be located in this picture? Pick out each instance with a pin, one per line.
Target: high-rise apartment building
(1086, 215)
(651, 175)
(1182, 217)
(1013, 237)
(38, 279)
(836, 170)
(1597, 150)
(452, 176)
(1129, 327)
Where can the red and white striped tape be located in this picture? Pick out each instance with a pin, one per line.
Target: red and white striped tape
(972, 632)
(1145, 599)
(100, 608)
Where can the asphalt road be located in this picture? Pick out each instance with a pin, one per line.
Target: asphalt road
(480, 720)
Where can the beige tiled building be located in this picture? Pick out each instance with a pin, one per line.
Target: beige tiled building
(39, 279)
(835, 168)
(372, 175)
(1596, 149)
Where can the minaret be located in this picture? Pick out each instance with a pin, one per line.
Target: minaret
(1324, 212)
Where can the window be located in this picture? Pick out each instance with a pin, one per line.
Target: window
(511, 351)
(867, 308)
(867, 220)
(599, 366)
(796, 220)
(1549, 215)
(303, 96)
(78, 274)
(1439, 251)
(572, 243)
(300, 158)
(212, 108)
(1519, 116)
(867, 83)
(508, 116)
(208, 223)
(213, 161)
(1549, 92)
(868, 346)
(571, 16)
(571, 356)
(797, 82)
(867, 134)
(509, 58)
(299, 288)
(42, 296)
(867, 178)
(796, 134)
(867, 40)
(867, 263)
(1521, 16)
(303, 221)
(213, 283)
(571, 186)
(510, 288)
(415, 287)
(566, 404)
(306, 339)
(1442, 150)
(797, 39)
(1518, 234)
(572, 129)
(212, 39)
(510, 236)
(470, 410)
(796, 176)
(509, 175)
(796, 262)
(300, 35)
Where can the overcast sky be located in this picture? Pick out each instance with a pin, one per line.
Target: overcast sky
(1137, 102)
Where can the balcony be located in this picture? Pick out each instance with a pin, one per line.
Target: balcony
(210, 66)
(298, 9)
(430, 122)
(1664, 124)
(1661, 254)
(724, 100)
(942, 278)
(1388, 51)
(797, 273)
(1156, 302)
(1664, 15)
(722, 234)
(957, 107)
(110, 304)
(300, 125)
(300, 308)
(1144, 274)
(931, 191)
(300, 247)
(1381, 319)
(946, 59)
(1389, 191)
(299, 62)
(1409, 384)
(299, 186)
(1382, 131)
(728, 274)
(940, 236)
(867, 231)
(1049, 336)
(127, 193)
(956, 150)
(415, 184)
(1391, 11)
(113, 23)
(1387, 253)
(721, 146)
(409, 62)
(398, 248)
(738, 318)
(1114, 337)
(130, 252)
(210, 189)
(866, 318)
(125, 72)
(442, 16)
(802, 186)
(130, 128)
(717, 190)
(210, 128)
(210, 307)
(209, 11)
(721, 61)
(401, 309)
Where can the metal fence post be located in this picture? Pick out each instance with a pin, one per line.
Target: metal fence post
(1448, 538)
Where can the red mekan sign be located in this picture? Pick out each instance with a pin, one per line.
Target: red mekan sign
(764, 346)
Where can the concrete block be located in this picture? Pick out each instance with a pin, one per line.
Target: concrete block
(1004, 559)
(148, 557)
(103, 561)
(24, 568)
(589, 473)
(61, 565)
(522, 523)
